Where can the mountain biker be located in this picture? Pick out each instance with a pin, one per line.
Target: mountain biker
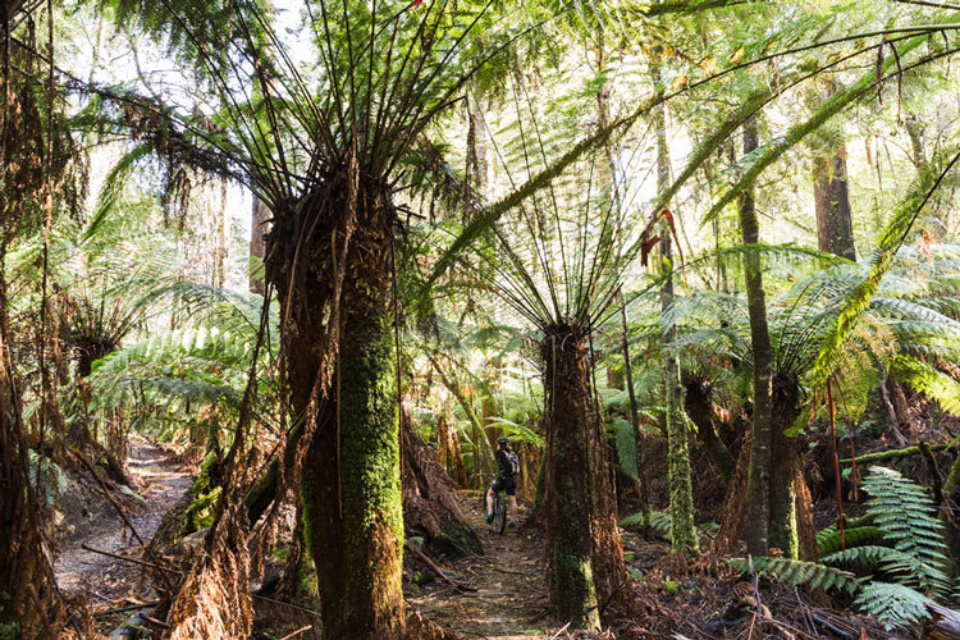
(506, 479)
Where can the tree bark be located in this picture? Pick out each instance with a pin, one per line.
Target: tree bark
(784, 460)
(568, 418)
(758, 479)
(350, 483)
(831, 195)
(431, 506)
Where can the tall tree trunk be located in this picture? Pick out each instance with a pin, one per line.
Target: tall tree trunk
(683, 531)
(758, 478)
(832, 197)
(568, 419)
(350, 484)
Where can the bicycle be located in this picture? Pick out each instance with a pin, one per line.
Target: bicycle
(500, 501)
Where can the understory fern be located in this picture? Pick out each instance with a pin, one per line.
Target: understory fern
(801, 573)
(900, 538)
(830, 541)
(893, 604)
(905, 512)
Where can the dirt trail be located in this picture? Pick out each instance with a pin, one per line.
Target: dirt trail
(162, 482)
(511, 601)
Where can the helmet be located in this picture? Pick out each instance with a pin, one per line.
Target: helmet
(503, 441)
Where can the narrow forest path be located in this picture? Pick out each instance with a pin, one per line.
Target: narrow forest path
(163, 480)
(510, 601)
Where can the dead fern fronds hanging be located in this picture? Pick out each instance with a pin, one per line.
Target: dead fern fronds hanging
(214, 602)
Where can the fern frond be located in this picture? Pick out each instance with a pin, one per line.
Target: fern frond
(909, 518)
(800, 573)
(893, 605)
(830, 541)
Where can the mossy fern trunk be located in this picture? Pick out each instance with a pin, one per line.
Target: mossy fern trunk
(350, 483)
(350, 491)
(784, 461)
(568, 417)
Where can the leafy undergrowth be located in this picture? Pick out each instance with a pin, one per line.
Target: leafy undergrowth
(706, 597)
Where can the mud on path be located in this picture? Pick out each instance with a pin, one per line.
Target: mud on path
(162, 481)
(511, 600)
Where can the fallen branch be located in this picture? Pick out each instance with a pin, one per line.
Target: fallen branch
(557, 634)
(297, 632)
(126, 608)
(894, 453)
(132, 560)
(436, 570)
(123, 516)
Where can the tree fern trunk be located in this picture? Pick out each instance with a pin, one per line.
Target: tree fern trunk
(700, 411)
(784, 459)
(568, 417)
(350, 491)
(350, 483)
(758, 482)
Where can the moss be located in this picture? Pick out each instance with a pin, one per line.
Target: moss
(682, 530)
(354, 520)
(575, 592)
(306, 588)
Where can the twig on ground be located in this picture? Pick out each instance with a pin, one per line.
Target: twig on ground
(297, 632)
(561, 630)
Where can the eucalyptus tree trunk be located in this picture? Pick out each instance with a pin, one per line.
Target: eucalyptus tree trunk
(683, 531)
(350, 483)
(568, 496)
(832, 198)
(831, 195)
(758, 478)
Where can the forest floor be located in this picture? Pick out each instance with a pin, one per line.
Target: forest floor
(508, 597)
(162, 480)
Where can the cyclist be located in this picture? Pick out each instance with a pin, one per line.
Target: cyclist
(506, 479)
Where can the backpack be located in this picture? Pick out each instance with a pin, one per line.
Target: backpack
(513, 463)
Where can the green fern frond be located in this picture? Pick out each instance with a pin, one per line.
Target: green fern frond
(893, 604)
(829, 541)
(909, 518)
(800, 573)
